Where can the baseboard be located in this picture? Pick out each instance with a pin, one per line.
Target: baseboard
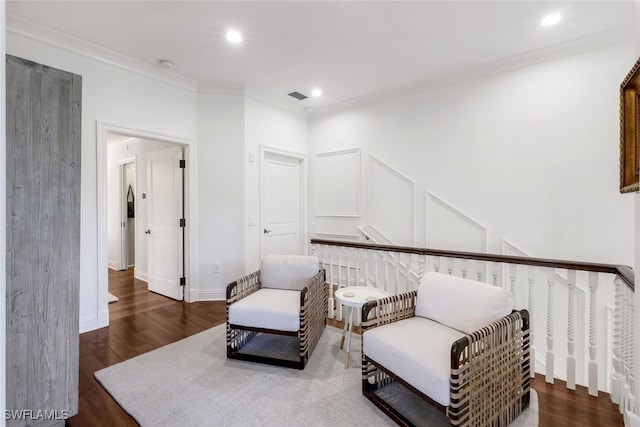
(114, 265)
(140, 275)
(212, 295)
(88, 323)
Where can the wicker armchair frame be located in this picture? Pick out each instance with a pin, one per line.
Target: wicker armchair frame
(489, 380)
(313, 319)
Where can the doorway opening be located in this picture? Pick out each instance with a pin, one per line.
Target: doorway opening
(146, 247)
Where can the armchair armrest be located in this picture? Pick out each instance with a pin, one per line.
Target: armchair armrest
(317, 285)
(313, 312)
(387, 310)
(243, 287)
(494, 360)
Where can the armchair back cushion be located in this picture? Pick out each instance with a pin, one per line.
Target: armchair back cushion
(290, 272)
(462, 304)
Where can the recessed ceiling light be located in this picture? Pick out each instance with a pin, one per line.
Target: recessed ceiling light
(551, 19)
(233, 36)
(316, 93)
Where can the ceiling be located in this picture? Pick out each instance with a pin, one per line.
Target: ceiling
(350, 49)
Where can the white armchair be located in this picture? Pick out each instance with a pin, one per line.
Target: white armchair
(456, 344)
(277, 314)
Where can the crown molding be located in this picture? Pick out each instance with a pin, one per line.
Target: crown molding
(30, 30)
(278, 101)
(562, 50)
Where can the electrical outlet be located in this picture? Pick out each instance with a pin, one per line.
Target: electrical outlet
(216, 268)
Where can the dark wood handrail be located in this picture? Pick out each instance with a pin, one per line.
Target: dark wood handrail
(626, 273)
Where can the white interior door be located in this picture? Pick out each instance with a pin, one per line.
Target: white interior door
(165, 209)
(281, 204)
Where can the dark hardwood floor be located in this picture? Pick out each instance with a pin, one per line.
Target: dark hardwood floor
(143, 321)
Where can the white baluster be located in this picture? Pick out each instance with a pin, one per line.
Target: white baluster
(436, 264)
(593, 349)
(549, 359)
(348, 270)
(396, 269)
(422, 266)
(386, 286)
(480, 271)
(339, 307)
(450, 264)
(358, 261)
(464, 266)
(375, 268)
(513, 273)
(409, 271)
(571, 335)
(531, 277)
(617, 361)
(367, 273)
(495, 272)
(331, 300)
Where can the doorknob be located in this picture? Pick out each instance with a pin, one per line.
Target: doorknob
(266, 231)
(147, 232)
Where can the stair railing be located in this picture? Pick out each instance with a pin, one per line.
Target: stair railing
(582, 313)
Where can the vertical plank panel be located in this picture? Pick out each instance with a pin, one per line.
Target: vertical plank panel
(43, 239)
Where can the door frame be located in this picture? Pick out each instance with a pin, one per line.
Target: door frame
(123, 259)
(304, 199)
(190, 183)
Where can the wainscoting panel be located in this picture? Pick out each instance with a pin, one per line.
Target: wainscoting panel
(392, 203)
(449, 228)
(337, 191)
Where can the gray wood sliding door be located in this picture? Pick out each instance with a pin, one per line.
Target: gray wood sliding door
(43, 242)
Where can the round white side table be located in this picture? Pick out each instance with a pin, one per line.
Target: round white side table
(355, 297)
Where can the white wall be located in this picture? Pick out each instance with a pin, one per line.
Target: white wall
(530, 154)
(116, 152)
(114, 95)
(220, 193)
(273, 126)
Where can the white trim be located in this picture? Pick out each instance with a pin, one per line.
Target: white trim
(88, 323)
(411, 183)
(114, 265)
(140, 275)
(573, 47)
(329, 235)
(283, 102)
(358, 212)
(304, 214)
(24, 28)
(212, 295)
(102, 129)
(430, 197)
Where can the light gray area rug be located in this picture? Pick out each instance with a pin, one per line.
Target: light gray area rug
(192, 383)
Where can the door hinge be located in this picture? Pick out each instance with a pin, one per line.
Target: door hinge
(183, 222)
(183, 281)
(183, 164)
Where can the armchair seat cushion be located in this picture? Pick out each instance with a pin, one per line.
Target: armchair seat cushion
(276, 309)
(417, 350)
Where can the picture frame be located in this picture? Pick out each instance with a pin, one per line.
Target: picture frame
(630, 131)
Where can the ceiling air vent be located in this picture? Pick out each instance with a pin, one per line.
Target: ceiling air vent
(298, 96)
